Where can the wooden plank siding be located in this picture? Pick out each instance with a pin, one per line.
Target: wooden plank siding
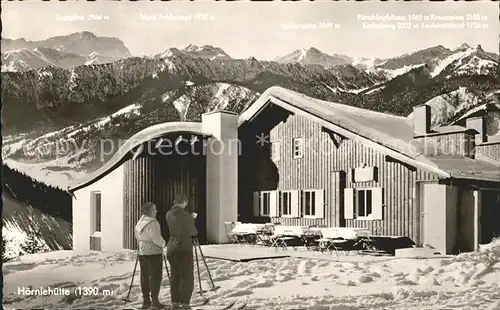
(489, 150)
(139, 185)
(156, 178)
(454, 144)
(316, 171)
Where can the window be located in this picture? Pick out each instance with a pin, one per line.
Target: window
(363, 203)
(297, 147)
(286, 204)
(309, 203)
(96, 211)
(266, 203)
(275, 151)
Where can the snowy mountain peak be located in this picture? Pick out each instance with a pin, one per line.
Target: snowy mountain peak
(479, 48)
(314, 56)
(206, 52)
(251, 59)
(87, 35)
(463, 46)
(314, 50)
(170, 53)
(191, 47)
(80, 43)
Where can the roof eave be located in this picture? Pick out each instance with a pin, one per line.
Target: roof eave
(118, 159)
(346, 132)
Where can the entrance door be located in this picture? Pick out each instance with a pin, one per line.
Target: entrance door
(185, 174)
(432, 201)
(337, 199)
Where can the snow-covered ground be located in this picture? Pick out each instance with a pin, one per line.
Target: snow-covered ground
(42, 171)
(467, 281)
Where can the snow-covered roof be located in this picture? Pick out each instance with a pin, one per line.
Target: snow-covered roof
(150, 133)
(392, 134)
(377, 126)
(461, 167)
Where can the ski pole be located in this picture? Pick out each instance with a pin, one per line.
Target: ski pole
(132, 281)
(206, 265)
(198, 270)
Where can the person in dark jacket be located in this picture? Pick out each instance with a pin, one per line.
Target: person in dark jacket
(151, 248)
(180, 252)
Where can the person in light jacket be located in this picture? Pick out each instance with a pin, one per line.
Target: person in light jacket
(180, 252)
(151, 248)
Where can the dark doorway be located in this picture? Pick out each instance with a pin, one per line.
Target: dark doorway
(490, 216)
(185, 173)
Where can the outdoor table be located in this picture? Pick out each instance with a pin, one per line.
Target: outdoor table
(247, 232)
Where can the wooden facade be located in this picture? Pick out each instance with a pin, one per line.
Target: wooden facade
(155, 177)
(451, 144)
(327, 163)
(489, 150)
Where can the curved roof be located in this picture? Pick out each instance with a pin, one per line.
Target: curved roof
(137, 139)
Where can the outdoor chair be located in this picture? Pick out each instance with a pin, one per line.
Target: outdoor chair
(233, 238)
(284, 241)
(344, 246)
(310, 238)
(246, 233)
(288, 236)
(264, 235)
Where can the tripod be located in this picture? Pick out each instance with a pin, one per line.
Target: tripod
(197, 248)
(133, 274)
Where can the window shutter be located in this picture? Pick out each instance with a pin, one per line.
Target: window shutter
(319, 203)
(377, 203)
(349, 203)
(256, 203)
(273, 204)
(276, 151)
(92, 212)
(294, 203)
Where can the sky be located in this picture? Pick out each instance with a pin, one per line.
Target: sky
(261, 30)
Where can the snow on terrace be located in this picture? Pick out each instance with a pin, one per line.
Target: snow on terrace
(467, 281)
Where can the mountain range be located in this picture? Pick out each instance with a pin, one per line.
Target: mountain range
(82, 48)
(62, 110)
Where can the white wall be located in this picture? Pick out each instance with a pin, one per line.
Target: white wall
(434, 217)
(222, 173)
(111, 188)
(439, 204)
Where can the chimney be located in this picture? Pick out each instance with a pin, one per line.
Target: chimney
(477, 123)
(421, 120)
(221, 172)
